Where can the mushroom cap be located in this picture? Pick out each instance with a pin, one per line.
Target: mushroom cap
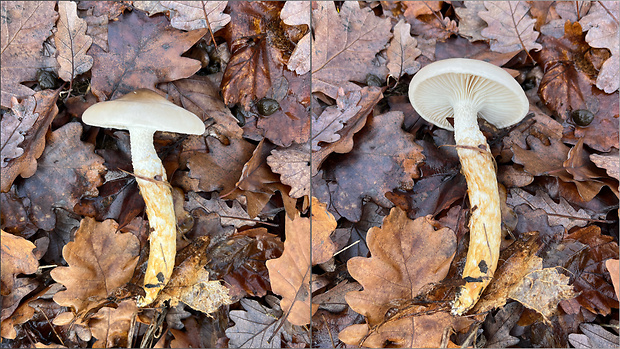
(493, 93)
(143, 109)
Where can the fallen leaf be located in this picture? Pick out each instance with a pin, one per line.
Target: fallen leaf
(15, 125)
(25, 26)
(609, 162)
(72, 43)
(97, 28)
(68, 170)
(290, 273)
(417, 8)
(510, 26)
(192, 15)
(100, 260)
(42, 104)
(255, 327)
(110, 9)
(402, 52)
(298, 13)
(293, 166)
(343, 143)
(14, 216)
(498, 327)
(323, 224)
(111, 326)
(470, 24)
(612, 268)
(595, 336)
(406, 255)
(325, 127)
(17, 258)
(386, 158)
(345, 45)
(601, 23)
(142, 52)
(233, 215)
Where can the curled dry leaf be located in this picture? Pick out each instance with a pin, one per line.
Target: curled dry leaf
(345, 45)
(405, 256)
(323, 224)
(25, 26)
(601, 22)
(386, 158)
(68, 170)
(111, 326)
(17, 258)
(293, 166)
(142, 52)
(192, 15)
(290, 274)
(609, 162)
(510, 26)
(100, 260)
(72, 42)
(402, 52)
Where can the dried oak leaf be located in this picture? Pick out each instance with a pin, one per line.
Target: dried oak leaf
(142, 52)
(610, 162)
(290, 273)
(25, 26)
(510, 26)
(567, 85)
(601, 22)
(68, 170)
(385, 158)
(234, 215)
(17, 258)
(612, 268)
(595, 336)
(42, 107)
(497, 328)
(588, 178)
(470, 24)
(345, 45)
(298, 13)
(13, 215)
(293, 166)
(72, 42)
(259, 50)
(192, 15)
(255, 327)
(110, 9)
(402, 52)
(405, 256)
(100, 260)
(337, 124)
(583, 253)
(323, 224)
(111, 326)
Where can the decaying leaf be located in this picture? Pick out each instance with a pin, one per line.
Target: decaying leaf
(470, 24)
(385, 158)
(405, 256)
(345, 45)
(192, 15)
(72, 42)
(290, 274)
(601, 22)
(594, 336)
(25, 25)
(14, 125)
(293, 166)
(498, 327)
(323, 224)
(610, 162)
(68, 170)
(612, 266)
(255, 327)
(402, 52)
(143, 51)
(234, 215)
(17, 258)
(298, 13)
(510, 26)
(100, 260)
(111, 326)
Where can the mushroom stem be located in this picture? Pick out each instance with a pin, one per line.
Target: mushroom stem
(151, 178)
(485, 215)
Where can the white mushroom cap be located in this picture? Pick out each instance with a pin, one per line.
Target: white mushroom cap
(144, 109)
(496, 96)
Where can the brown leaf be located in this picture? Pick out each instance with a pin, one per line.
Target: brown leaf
(470, 24)
(17, 258)
(290, 274)
(609, 162)
(542, 159)
(345, 45)
(142, 52)
(298, 13)
(402, 52)
(588, 178)
(498, 327)
(25, 26)
(42, 104)
(406, 255)
(386, 158)
(595, 336)
(111, 326)
(259, 49)
(15, 125)
(323, 224)
(418, 8)
(100, 260)
(255, 327)
(110, 9)
(14, 216)
(72, 43)
(293, 166)
(510, 26)
(192, 15)
(231, 215)
(68, 169)
(612, 267)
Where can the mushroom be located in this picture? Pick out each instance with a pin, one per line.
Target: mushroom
(142, 112)
(465, 89)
